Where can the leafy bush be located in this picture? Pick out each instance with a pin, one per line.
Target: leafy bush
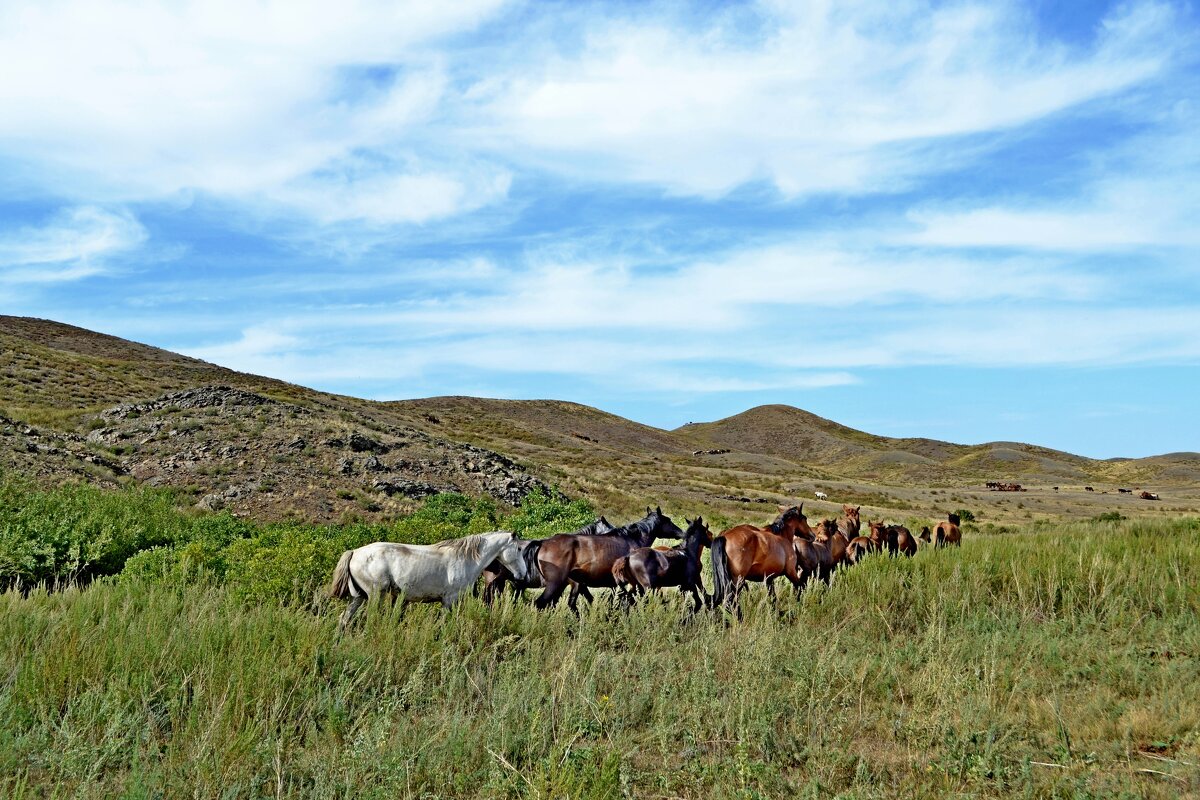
(968, 516)
(78, 532)
(542, 515)
(1110, 516)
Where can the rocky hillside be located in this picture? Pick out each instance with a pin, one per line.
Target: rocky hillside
(84, 405)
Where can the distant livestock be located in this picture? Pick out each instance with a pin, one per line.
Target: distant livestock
(999, 486)
(1125, 491)
(1148, 496)
(1088, 489)
(821, 495)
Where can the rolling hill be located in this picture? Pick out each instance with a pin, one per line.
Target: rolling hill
(88, 406)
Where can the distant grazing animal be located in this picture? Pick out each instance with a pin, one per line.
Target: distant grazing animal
(821, 495)
(496, 577)
(947, 533)
(1088, 489)
(583, 561)
(424, 573)
(1125, 491)
(1056, 488)
(749, 553)
(650, 569)
(1148, 495)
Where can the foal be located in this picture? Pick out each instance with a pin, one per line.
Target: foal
(650, 569)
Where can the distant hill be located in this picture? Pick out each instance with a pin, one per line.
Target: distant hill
(85, 405)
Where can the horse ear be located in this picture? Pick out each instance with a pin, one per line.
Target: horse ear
(647, 511)
(658, 509)
(802, 508)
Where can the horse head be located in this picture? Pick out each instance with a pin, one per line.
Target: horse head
(661, 524)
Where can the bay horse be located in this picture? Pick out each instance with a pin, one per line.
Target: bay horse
(822, 554)
(421, 572)
(749, 553)
(650, 569)
(583, 561)
(948, 532)
(858, 549)
(496, 577)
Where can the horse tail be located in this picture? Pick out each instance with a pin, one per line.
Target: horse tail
(722, 582)
(620, 572)
(341, 576)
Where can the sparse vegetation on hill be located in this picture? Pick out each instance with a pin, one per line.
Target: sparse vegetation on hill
(90, 407)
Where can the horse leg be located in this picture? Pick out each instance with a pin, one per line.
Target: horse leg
(355, 603)
(556, 581)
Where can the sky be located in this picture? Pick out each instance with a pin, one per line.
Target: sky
(966, 221)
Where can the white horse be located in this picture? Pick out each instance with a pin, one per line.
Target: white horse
(821, 495)
(422, 572)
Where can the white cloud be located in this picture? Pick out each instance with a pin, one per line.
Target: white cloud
(74, 244)
(849, 97)
(247, 101)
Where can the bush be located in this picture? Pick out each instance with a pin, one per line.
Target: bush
(1110, 516)
(542, 515)
(78, 532)
(967, 516)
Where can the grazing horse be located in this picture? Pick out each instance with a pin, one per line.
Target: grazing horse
(496, 577)
(425, 573)
(749, 553)
(821, 495)
(926, 535)
(946, 533)
(582, 561)
(650, 569)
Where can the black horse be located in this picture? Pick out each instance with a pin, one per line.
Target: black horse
(648, 569)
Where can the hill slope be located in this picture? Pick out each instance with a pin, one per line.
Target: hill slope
(99, 408)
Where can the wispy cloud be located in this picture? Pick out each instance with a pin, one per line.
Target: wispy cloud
(74, 244)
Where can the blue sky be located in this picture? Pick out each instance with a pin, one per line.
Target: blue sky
(968, 221)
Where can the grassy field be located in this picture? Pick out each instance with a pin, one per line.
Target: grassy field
(1059, 662)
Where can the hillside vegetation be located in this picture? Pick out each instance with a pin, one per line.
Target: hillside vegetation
(85, 406)
(1059, 662)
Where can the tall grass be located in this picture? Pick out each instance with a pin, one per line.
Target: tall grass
(1062, 663)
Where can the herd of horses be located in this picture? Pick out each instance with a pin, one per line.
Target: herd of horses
(623, 559)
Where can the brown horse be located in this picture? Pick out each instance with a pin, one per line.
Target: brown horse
(947, 533)
(650, 569)
(906, 543)
(858, 549)
(749, 553)
(496, 577)
(583, 561)
(825, 552)
(850, 523)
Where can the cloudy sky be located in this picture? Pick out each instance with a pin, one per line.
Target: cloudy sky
(968, 221)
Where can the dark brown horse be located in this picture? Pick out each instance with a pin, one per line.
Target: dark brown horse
(822, 554)
(583, 561)
(649, 569)
(947, 533)
(749, 553)
(496, 577)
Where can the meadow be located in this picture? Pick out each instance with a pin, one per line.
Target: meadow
(150, 652)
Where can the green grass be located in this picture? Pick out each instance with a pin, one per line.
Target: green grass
(960, 672)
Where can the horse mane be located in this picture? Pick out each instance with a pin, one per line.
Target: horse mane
(468, 546)
(643, 525)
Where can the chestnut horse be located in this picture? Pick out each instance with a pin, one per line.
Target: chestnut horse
(850, 524)
(749, 553)
(582, 561)
(948, 532)
(650, 569)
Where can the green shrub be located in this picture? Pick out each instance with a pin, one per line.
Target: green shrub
(968, 516)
